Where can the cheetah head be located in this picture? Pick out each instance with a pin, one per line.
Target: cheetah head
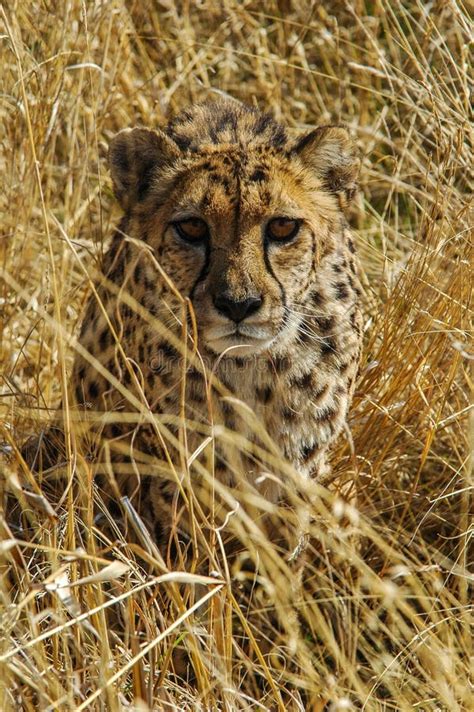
(238, 214)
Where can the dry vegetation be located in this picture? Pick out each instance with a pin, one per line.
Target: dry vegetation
(381, 619)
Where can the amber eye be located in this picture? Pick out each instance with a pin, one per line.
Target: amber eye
(192, 229)
(282, 229)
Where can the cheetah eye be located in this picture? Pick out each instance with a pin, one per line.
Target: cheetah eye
(193, 230)
(282, 229)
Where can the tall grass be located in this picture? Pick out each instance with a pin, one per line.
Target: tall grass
(377, 616)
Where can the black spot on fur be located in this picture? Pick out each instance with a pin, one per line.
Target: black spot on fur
(216, 178)
(213, 135)
(309, 450)
(342, 291)
(258, 175)
(168, 351)
(148, 283)
(183, 142)
(304, 332)
(281, 364)
(93, 389)
(318, 298)
(305, 381)
(227, 408)
(329, 348)
(167, 378)
(265, 394)
(337, 268)
(137, 273)
(230, 422)
(227, 119)
(125, 311)
(289, 414)
(325, 323)
(115, 430)
(193, 374)
(279, 137)
(350, 244)
(145, 180)
(262, 123)
(158, 531)
(220, 466)
(104, 338)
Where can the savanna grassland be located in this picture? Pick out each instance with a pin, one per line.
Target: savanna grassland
(381, 617)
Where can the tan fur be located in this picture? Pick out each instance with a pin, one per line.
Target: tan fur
(294, 361)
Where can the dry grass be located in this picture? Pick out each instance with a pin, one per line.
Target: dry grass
(381, 621)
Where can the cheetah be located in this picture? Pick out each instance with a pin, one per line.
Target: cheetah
(229, 302)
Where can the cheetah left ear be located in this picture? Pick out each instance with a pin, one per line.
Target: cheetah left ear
(135, 158)
(330, 153)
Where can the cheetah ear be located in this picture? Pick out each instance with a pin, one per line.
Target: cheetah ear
(330, 153)
(134, 157)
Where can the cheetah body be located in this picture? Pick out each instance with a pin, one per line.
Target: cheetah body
(154, 342)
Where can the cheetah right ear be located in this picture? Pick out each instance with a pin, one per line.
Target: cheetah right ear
(135, 158)
(330, 153)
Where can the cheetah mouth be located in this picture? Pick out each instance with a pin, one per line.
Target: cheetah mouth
(239, 342)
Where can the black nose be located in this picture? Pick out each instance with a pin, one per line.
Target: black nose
(237, 310)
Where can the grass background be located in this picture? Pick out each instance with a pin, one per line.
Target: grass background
(384, 607)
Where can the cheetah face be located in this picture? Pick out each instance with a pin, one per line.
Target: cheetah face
(239, 216)
(246, 249)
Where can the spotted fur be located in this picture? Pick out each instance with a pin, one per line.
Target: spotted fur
(292, 362)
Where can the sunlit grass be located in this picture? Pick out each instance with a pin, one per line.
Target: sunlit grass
(376, 614)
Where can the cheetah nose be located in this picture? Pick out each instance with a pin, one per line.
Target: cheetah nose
(237, 310)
